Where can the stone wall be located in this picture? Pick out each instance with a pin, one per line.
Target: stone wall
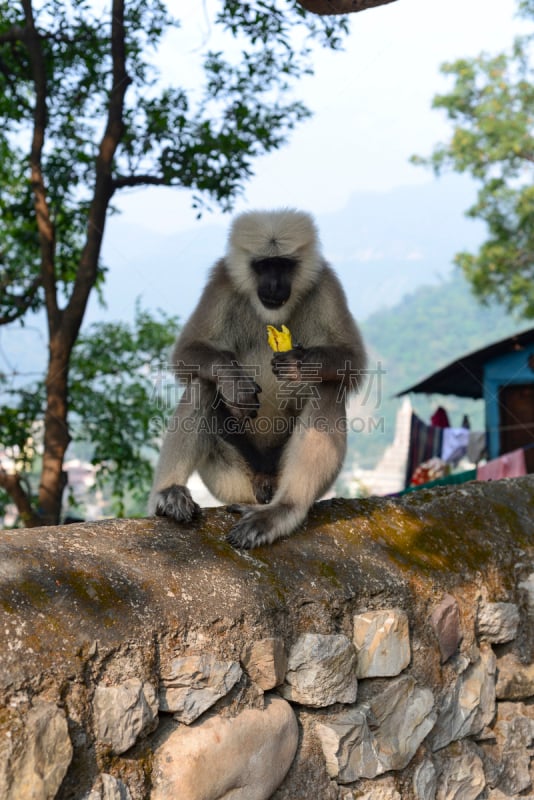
(386, 651)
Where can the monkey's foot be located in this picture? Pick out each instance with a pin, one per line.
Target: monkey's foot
(176, 502)
(262, 525)
(250, 532)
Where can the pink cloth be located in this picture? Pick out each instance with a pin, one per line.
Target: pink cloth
(511, 465)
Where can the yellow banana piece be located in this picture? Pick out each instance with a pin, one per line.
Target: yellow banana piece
(279, 341)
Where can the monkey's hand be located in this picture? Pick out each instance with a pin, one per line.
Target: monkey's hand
(292, 365)
(176, 502)
(238, 391)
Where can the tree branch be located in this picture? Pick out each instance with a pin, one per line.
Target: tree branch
(123, 181)
(14, 34)
(12, 484)
(42, 211)
(19, 304)
(326, 7)
(104, 186)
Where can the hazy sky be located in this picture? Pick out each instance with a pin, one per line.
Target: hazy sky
(371, 103)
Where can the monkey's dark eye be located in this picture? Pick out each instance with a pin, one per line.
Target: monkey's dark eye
(275, 277)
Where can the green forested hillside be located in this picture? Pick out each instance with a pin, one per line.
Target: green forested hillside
(432, 326)
(425, 331)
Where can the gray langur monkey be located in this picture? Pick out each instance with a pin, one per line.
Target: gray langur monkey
(266, 432)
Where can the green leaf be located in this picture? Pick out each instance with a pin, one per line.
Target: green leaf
(491, 109)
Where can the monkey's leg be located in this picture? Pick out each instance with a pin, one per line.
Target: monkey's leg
(183, 448)
(227, 475)
(310, 464)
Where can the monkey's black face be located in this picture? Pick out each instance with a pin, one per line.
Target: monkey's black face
(275, 278)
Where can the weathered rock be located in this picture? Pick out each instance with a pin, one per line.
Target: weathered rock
(243, 758)
(425, 781)
(380, 735)
(515, 681)
(496, 794)
(526, 596)
(497, 622)
(462, 777)
(384, 791)
(347, 745)
(194, 683)
(382, 641)
(114, 789)
(109, 788)
(35, 759)
(471, 704)
(445, 619)
(123, 713)
(508, 754)
(265, 661)
(321, 670)
(527, 587)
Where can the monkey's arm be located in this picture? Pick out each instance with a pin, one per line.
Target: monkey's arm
(220, 369)
(199, 359)
(325, 364)
(206, 349)
(333, 350)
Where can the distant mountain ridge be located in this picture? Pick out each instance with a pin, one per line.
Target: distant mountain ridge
(382, 245)
(431, 327)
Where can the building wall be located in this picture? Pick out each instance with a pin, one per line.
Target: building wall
(512, 368)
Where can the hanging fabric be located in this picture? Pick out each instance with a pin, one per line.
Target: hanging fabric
(510, 465)
(425, 443)
(454, 446)
(476, 446)
(439, 418)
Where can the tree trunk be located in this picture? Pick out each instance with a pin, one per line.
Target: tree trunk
(56, 432)
(325, 7)
(64, 324)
